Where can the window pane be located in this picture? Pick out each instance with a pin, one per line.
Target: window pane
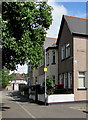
(67, 50)
(81, 73)
(61, 77)
(81, 82)
(65, 80)
(53, 52)
(53, 77)
(63, 52)
(60, 82)
(69, 80)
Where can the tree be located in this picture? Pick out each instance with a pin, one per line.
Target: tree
(5, 77)
(11, 76)
(4, 74)
(24, 26)
(25, 76)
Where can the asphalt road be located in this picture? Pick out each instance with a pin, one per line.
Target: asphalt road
(15, 107)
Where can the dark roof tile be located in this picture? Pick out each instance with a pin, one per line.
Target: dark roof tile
(77, 25)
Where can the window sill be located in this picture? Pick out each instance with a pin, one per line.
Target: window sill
(63, 59)
(82, 89)
(53, 63)
(66, 58)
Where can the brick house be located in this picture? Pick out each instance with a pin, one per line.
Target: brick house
(67, 60)
(37, 75)
(72, 65)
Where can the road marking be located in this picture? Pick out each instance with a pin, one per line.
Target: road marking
(32, 116)
(78, 108)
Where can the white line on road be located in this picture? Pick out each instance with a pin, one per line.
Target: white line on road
(31, 115)
(26, 111)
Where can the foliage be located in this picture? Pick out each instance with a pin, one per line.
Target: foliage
(50, 86)
(11, 76)
(25, 76)
(50, 83)
(5, 77)
(4, 74)
(24, 26)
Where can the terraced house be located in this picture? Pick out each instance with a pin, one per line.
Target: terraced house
(72, 46)
(67, 60)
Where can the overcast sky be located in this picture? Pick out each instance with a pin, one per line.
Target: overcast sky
(77, 8)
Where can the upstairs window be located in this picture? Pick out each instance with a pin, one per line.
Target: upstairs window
(47, 59)
(53, 54)
(63, 52)
(67, 50)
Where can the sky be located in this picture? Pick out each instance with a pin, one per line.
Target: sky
(60, 8)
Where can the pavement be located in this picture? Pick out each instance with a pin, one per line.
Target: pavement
(15, 106)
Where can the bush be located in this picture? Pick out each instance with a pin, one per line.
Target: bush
(50, 86)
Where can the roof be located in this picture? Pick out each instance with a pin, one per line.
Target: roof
(18, 77)
(49, 41)
(53, 46)
(77, 25)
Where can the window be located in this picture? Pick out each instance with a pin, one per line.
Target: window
(53, 54)
(81, 80)
(70, 80)
(67, 50)
(36, 80)
(65, 80)
(53, 77)
(61, 79)
(47, 58)
(62, 52)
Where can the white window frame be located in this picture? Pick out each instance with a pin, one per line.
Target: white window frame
(82, 76)
(67, 50)
(70, 80)
(65, 80)
(61, 77)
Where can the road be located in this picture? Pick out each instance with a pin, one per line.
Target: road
(14, 106)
